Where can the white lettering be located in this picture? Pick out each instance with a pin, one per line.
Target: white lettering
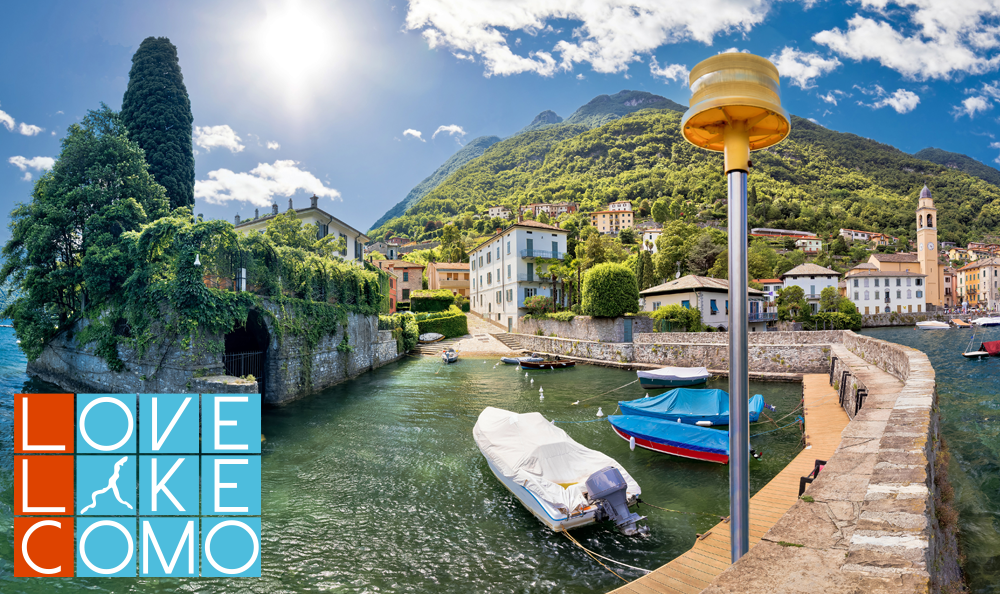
(219, 486)
(162, 485)
(208, 547)
(158, 441)
(83, 424)
(27, 509)
(83, 547)
(148, 535)
(24, 434)
(219, 423)
(24, 547)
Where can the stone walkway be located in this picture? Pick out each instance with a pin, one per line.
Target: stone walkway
(479, 343)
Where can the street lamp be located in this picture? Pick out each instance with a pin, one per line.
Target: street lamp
(736, 108)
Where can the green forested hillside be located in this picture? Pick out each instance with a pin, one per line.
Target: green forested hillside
(960, 162)
(475, 148)
(546, 118)
(817, 180)
(604, 108)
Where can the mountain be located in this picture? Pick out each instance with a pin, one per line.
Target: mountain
(817, 180)
(475, 148)
(960, 162)
(605, 108)
(597, 112)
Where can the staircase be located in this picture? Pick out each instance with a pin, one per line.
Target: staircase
(509, 340)
(435, 348)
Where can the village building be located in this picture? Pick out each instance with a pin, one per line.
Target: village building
(507, 268)
(810, 245)
(711, 297)
(326, 224)
(552, 209)
(612, 221)
(771, 288)
(499, 212)
(951, 287)
(979, 284)
(620, 206)
(876, 291)
(812, 279)
(409, 277)
(649, 237)
(453, 276)
(389, 251)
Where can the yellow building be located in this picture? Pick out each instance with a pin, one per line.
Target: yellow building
(611, 221)
(451, 276)
(925, 261)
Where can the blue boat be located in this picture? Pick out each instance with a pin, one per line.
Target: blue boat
(671, 437)
(707, 408)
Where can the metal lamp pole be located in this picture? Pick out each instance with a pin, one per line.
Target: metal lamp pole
(735, 108)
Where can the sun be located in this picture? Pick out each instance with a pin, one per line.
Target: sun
(297, 47)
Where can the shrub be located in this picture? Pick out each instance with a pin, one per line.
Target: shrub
(610, 290)
(462, 302)
(433, 300)
(563, 316)
(676, 318)
(453, 324)
(538, 304)
(404, 330)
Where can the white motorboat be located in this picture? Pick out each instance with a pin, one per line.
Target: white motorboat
(564, 484)
(673, 377)
(449, 355)
(986, 321)
(932, 325)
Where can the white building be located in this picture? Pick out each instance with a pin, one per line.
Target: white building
(649, 237)
(855, 235)
(771, 288)
(389, 251)
(810, 245)
(326, 224)
(499, 211)
(620, 205)
(812, 279)
(876, 291)
(505, 270)
(710, 296)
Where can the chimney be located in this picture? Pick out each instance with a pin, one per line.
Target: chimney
(274, 208)
(256, 213)
(237, 219)
(290, 204)
(313, 202)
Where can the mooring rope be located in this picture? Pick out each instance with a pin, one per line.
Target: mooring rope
(608, 392)
(595, 556)
(677, 511)
(795, 422)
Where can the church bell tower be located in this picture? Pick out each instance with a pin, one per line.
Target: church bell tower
(927, 248)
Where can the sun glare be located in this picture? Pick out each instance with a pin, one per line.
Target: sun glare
(298, 47)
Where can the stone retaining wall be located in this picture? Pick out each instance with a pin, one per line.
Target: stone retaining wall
(818, 337)
(904, 319)
(586, 328)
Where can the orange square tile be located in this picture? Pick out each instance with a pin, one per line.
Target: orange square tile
(44, 485)
(44, 547)
(44, 423)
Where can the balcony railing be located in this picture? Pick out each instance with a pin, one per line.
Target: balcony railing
(762, 317)
(533, 278)
(532, 253)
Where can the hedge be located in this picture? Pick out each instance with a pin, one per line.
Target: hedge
(610, 290)
(404, 329)
(451, 326)
(431, 300)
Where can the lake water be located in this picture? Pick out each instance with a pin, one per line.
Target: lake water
(376, 485)
(969, 397)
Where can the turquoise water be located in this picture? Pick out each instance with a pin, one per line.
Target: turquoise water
(376, 485)
(969, 397)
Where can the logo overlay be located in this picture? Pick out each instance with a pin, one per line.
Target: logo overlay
(126, 485)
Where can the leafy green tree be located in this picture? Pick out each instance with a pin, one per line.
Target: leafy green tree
(703, 254)
(644, 208)
(721, 267)
(286, 230)
(791, 302)
(829, 299)
(661, 211)
(594, 250)
(627, 236)
(543, 217)
(838, 247)
(157, 112)
(452, 245)
(648, 277)
(610, 290)
(70, 246)
(797, 257)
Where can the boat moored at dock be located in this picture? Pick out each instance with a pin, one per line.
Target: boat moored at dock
(933, 325)
(673, 377)
(706, 408)
(671, 437)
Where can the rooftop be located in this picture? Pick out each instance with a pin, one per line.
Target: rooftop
(905, 258)
(855, 273)
(526, 224)
(768, 281)
(809, 269)
(693, 283)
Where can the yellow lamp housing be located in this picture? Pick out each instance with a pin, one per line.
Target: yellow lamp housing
(735, 107)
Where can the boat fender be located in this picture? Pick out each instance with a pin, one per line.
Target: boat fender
(756, 455)
(631, 443)
(532, 380)
(702, 423)
(540, 390)
(541, 396)
(600, 412)
(647, 395)
(526, 374)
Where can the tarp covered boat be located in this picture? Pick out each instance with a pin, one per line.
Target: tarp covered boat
(547, 364)
(986, 321)
(933, 325)
(694, 407)
(992, 347)
(671, 437)
(558, 480)
(519, 360)
(430, 337)
(673, 377)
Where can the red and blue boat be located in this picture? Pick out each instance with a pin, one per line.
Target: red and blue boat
(671, 437)
(707, 408)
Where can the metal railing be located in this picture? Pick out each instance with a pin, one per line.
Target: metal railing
(762, 317)
(533, 253)
(243, 364)
(533, 278)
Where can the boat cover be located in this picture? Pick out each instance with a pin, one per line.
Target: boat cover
(986, 321)
(675, 373)
(430, 337)
(541, 457)
(679, 435)
(992, 347)
(690, 406)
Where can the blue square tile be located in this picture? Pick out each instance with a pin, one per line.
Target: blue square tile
(168, 547)
(105, 547)
(105, 485)
(105, 424)
(230, 423)
(168, 485)
(168, 424)
(230, 547)
(230, 485)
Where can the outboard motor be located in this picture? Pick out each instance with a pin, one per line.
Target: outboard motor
(607, 488)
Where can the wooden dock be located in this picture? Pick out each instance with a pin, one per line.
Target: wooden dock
(694, 570)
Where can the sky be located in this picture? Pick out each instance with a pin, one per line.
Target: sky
(358, 101)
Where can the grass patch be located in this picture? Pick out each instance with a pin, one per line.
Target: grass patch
(789, 544)
(807, 499)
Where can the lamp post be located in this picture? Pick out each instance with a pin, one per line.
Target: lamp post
(736, 108)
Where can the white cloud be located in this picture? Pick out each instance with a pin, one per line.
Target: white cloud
(6, 120)
(611, 34)
(834, 96)
(53, 132)
(29, 130)
(579, 76)
(734, 50)
(60, 112)
(675, 72)
(210, 137)
(261, 184)
(465, 57)
(971, 106)
(945, 37)
(273, 145)
(802, 67)
(901, 100)
(452, 130)
(39, 164)
(414, 133)
(995, 145)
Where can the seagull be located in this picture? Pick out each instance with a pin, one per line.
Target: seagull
(575, 403)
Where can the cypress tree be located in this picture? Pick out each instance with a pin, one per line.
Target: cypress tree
(157, 112)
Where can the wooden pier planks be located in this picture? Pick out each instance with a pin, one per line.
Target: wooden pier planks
(693, 571)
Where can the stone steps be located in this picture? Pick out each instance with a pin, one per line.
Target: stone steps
(509, 340)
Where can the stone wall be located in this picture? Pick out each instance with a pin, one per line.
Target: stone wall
(904, 319)
(818, 337)
(586, 328)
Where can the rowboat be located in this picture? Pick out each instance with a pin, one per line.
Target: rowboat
(932, 325)
(546, 364)
(562, 483)
(673, 377)
(430, 337)
(519, 360)
(449, 355)
(707, 408)
(671, 437)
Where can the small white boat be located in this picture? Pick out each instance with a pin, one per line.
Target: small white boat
(564, 484)
(986, 321)
(673, 377)
(932, 325)
(449, 355)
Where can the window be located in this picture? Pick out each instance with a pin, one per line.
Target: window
(866, 283)
(727, 307)
(855, 282)
(876, 282)
(480, 261)
(498, 275)
(920, 281)
(866, 296)
(909, 294)
(812, 289)
(686, 304)
(488, 254)
(908, 281)
(920, 294)
(473, 282)
(508, 271)
(510, 294)
(508, 246)
(899, 294)
(876, 295)
(855, 295)
(406, 276)
(406, 294)
(498, 252)
(899, 282)
(656, 305)
(529, 292)
(343, 252)
(489, 278)
(499, 295)
(713, 307)
(480, 281)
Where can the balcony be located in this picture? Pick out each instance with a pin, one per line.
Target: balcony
(542, 254)
(533, 278)
(762, 317)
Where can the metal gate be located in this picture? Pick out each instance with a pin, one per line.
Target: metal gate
(244, 364)
(628, 330)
